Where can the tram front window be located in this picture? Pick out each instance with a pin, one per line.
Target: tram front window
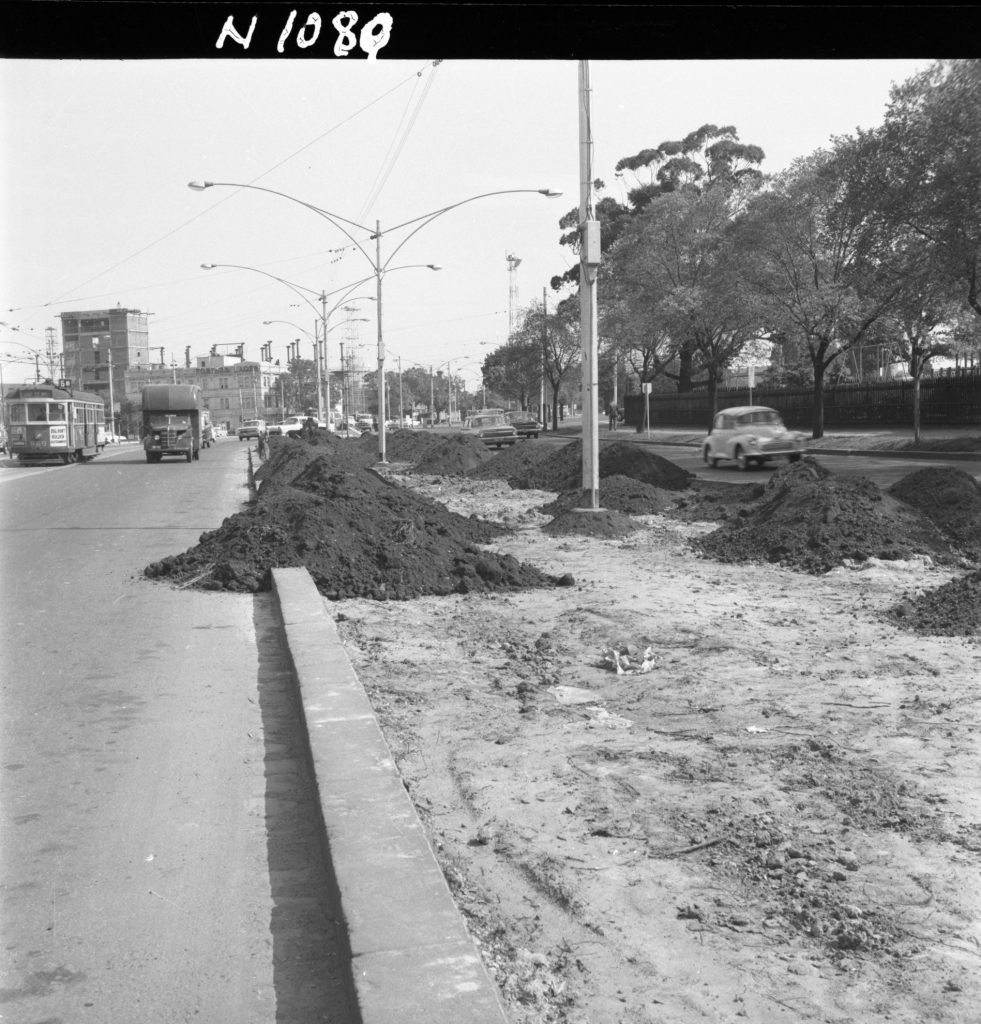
(56, 412)
(37, 412)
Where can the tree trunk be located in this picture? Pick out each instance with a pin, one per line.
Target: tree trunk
(916, 407)
(713, 396)
(818, 414)
(555, 406)
(686, 360)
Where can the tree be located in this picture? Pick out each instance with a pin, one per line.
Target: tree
(554, 340)
(815, 247)
(674, 286)
(514, 370)
(929, 172)
(708, 156)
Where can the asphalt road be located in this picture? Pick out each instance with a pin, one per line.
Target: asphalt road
(161, 858)
(884, 470)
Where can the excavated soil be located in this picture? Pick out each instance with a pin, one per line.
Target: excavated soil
(540, 466)
(951, 500)
(810, 520)
(321, 506)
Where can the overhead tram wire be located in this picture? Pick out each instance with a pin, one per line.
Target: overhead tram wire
(66, 296)
(402, 133)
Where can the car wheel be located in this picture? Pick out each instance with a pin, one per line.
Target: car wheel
(794, 457)
(742, 459)
(710, 460)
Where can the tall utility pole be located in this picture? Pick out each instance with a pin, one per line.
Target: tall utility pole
(589, 260)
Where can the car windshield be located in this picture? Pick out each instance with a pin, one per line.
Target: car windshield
(494, 420)
(760, 416)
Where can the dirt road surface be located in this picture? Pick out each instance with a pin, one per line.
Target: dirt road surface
(771, 813)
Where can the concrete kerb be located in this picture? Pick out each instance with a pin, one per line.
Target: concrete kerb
(412, 959)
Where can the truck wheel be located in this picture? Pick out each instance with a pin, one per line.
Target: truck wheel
(188, 456)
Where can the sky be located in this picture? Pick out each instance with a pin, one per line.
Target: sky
(97, 154)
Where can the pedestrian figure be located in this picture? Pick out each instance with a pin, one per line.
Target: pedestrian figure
(613, 417)
(262, 449)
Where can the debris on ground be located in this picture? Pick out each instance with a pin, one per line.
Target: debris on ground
(321, 506)
(624, 661)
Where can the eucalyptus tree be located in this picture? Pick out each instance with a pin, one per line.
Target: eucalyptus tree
(710, 155)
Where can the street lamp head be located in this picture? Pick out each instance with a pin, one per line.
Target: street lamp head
(549, 193)
(208, 266)
(199, 186)
(433, 266)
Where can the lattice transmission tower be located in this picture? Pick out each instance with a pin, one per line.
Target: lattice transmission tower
(513, 263)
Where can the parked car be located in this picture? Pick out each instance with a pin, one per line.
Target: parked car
(751, 434)
(252, 429)
(492, 428)
(365, 424)
(524, 423)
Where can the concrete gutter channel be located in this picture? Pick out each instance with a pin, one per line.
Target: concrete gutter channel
(412, 959)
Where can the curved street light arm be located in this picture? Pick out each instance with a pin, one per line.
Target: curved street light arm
(298, 288)
(291, 324)
(428, 218)
(333, 218)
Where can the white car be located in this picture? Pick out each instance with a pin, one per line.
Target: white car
(252, 429)
(751, 435)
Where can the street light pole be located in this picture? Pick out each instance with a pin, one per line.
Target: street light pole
(345, 225)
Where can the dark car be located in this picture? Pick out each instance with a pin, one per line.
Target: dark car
(524, 423)
(492, 428)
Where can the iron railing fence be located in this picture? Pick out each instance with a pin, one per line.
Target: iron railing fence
(944, 401)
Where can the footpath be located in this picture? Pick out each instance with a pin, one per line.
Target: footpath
(412, 960)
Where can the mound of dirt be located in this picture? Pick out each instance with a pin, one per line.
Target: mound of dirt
(516, 464)
(455, 455)
(357, 534)
(710, 501)
(588, 523)
(618, 493)
(544, 468)
(951, 499)
(810, 520)
(403, 445)
(951, 610)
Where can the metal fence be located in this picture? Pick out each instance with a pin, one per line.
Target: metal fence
(944, 401)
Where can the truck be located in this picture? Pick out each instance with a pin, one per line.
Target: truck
(171, 421)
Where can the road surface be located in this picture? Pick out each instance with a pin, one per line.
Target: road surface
(161, 857)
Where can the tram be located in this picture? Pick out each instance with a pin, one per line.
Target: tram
(47, 420)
